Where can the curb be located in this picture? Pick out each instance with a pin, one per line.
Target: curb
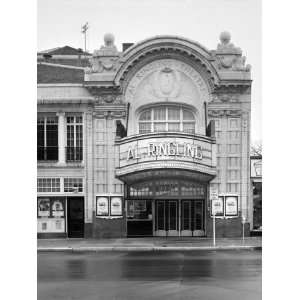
(145, 249)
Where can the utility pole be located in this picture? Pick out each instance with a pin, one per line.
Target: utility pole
(84, 29)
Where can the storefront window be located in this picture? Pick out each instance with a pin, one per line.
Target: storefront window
(167, 118)
(139, 210)
(51, 214)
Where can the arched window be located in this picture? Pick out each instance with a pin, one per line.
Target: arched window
(167, 118)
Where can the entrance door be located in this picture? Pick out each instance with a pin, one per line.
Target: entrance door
(186, 220)
(198, 218)
(75, 217)
(166, 221)
(172, 224)
(192, 217)
(160, 224)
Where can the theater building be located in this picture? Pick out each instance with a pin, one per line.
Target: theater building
(138, 142)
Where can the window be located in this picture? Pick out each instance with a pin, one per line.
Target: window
(47, 138)
(167, 118)
(139, 210)
(73, 185)
(74, 138)
(48, 185)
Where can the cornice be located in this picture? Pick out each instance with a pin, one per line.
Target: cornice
(62, 100)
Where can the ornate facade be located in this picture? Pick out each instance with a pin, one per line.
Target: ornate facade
(135, 143)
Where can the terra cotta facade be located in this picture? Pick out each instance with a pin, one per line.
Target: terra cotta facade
(134, 143)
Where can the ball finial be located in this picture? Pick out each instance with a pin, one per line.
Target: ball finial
(109, 39)
(225, 37)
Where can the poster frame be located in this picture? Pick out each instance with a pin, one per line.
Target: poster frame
(218, 215)
(106, 214)
(110, 206)
(237, 203)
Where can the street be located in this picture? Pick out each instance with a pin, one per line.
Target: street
(207, 275)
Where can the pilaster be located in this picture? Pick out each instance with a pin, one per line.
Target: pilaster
(61, 138)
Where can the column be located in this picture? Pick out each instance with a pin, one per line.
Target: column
(61, 138)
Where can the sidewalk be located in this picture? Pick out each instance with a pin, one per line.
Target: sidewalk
(148, 244)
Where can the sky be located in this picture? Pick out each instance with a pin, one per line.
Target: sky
(59, 23)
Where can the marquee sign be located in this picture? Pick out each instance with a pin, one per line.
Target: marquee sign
(166, 149)
(170, 147)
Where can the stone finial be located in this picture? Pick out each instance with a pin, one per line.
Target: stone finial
(225, 37)
(105, 59)
(229, 56)
(225, 46)
(109, 39)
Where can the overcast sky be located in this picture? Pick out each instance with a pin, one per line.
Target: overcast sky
(59, 24)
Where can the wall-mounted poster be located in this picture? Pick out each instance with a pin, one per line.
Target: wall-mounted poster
(57, 208)
(102, 206)
(116, 206)
(231, 206)
(217, 207)
(139, 205)
(43, 207)
(256, 167)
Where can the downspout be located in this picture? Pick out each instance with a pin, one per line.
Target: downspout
(127, 117)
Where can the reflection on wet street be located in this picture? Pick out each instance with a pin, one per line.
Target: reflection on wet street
(150, 275)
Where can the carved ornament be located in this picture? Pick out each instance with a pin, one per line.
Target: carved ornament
(166, 80)
(228, 56)
(110, 114)
(224, 113)
(110, 98)
(105, 59)
(225, 98)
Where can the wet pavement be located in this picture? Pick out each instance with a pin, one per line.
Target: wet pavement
(210, 275)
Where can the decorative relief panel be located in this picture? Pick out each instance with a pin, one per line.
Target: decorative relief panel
(109, 98)
(224, 113)
(225, 98)
(114, 114)
(166, 80)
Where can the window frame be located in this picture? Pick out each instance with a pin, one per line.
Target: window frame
(51, 187)
(44, 118)
(166, 121)
(66, 188)
(72, 142)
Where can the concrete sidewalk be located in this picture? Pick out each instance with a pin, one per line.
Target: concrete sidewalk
(148, 244)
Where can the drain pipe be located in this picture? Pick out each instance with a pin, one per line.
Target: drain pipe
(127, 117)
(205, 115)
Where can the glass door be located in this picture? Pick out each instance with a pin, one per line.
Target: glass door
(198, 228)
(186, 218)
(172, 218)
(160, 226)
